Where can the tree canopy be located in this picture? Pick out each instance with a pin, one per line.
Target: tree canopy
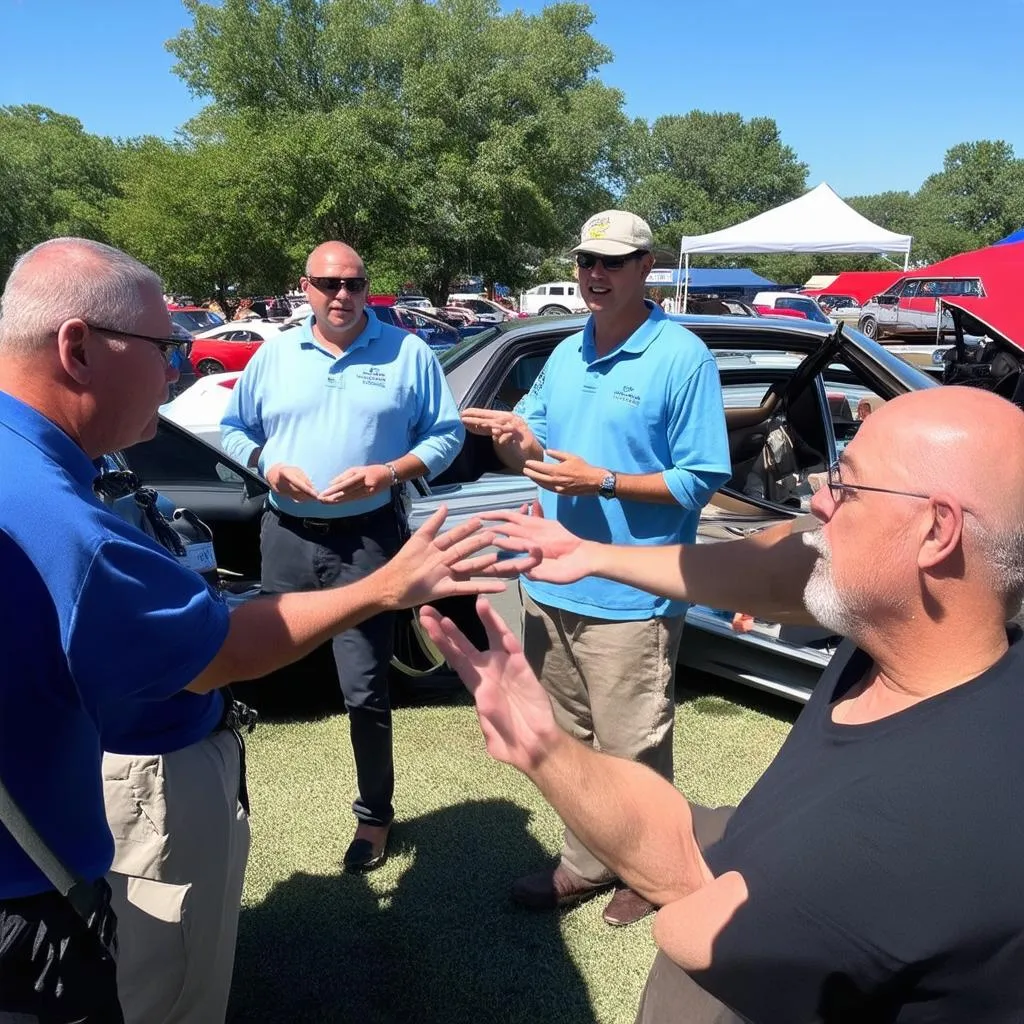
(442, 139)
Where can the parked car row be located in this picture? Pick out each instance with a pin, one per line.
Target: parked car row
(789, 377)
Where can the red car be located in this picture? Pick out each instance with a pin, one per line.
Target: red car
(231, 346)
(778, 311)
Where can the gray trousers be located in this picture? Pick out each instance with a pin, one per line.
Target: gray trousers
(671, 996)
(612, 685)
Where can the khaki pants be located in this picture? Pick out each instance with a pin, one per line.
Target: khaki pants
(181, 845)
(612, 685)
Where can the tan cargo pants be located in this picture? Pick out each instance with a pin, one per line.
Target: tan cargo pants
(181, 842)
(612, 685)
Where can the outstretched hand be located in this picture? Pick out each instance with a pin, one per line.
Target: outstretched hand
(565, 557)
(432, 565)
(514, 711)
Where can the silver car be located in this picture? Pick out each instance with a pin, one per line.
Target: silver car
(789, 386)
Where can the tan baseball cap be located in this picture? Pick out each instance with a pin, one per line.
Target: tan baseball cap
(615, 233)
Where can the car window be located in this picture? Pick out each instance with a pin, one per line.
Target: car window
(518, 381)
(910, 289)
(960, 287)
(165, 460)
(849, 405)
(556, 289)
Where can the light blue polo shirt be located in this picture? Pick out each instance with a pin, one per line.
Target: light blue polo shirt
(98, 623)
(383, 397)
(654, 404)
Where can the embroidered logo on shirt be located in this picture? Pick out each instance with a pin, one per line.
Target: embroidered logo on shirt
(373, 377)
(627, 394)
(336, 380)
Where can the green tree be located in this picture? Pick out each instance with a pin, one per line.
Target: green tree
(435, 137)
(976, 199)
(56, 179)
(702, 171)
(203, 216)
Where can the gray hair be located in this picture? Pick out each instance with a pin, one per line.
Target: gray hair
(1002, 551)
(70, 277)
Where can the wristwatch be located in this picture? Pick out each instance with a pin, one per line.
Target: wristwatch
(606, 489)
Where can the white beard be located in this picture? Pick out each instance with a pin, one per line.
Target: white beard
(832, 609)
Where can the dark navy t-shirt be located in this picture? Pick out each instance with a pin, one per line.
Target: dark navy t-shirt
(883, 862)
(132, 626)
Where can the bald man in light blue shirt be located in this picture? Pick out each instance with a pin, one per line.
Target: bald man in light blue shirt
(336, 415)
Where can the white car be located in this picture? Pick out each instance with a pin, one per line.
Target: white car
(200, 408)
(558, 298)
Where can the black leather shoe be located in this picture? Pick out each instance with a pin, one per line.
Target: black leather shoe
(369, 849)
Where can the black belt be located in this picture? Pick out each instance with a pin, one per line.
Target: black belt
(339, 524)
(236, 718)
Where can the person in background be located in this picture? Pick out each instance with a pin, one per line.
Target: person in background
(624, 432)
(337, 416)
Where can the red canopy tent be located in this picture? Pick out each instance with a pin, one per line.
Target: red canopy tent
(1001, 270)
(861, 284)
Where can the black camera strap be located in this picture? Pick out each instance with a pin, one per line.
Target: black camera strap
(83, 896)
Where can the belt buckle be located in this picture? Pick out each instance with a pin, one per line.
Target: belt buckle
(316, 525)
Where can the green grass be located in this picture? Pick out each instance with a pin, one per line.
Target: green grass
(432, 936)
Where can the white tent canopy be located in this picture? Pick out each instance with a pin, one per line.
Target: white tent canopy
(819, 221)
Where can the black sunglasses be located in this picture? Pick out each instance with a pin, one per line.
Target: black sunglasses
(166, 345)
(353, 285)
(588, 260)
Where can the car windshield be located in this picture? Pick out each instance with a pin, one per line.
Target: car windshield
(465, 348)
(197, 319)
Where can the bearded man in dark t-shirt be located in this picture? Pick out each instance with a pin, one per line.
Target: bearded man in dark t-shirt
(871, 873)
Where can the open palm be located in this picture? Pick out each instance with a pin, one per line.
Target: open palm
(514, 711)
(565, 557)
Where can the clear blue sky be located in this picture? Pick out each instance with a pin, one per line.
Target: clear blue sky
(870, 94)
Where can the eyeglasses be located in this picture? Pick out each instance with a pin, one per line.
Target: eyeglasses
(167, 346)
(353, 285)
(837, 488)
(588, 260)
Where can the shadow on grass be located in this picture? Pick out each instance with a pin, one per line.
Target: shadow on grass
(445, 946)
(712, 695)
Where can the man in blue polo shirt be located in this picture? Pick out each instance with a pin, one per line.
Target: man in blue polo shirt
(336, 415)
(624, 432)
(111, 644)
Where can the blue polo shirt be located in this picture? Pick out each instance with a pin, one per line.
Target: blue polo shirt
(96, 617)
(383, 397)
(654, 404)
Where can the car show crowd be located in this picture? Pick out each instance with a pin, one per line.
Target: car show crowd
(867, 876)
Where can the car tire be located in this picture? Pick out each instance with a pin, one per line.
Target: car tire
(205, 366)
(554, 311)
(868, 327)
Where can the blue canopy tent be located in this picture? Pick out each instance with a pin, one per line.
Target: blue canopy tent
(1017, 236)
(738, 283)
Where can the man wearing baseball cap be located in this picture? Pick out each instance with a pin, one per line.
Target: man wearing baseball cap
(624, 433)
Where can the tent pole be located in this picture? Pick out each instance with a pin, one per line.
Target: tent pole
(906, 261)
(686, 285)
(679, 273)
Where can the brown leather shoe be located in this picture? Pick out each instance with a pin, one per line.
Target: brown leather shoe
(368, 849)
(626, 907)
(553, 888)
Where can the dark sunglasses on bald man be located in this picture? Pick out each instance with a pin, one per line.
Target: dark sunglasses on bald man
(588, 260)
(353, 285)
